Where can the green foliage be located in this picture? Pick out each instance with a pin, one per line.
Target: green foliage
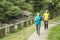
(51, 5)
(4, 5)
(10, 8)
(13, 11)
(14, 7)
(54, 33)
(28, 7)
(22, 4)
(16, 2)
(7, 9)
(37, 4)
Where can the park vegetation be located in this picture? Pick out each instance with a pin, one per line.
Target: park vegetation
(10, 9)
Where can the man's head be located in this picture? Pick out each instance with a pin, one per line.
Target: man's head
(46, 11)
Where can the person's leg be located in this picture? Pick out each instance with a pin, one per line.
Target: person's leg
(37, 28)
(44, 24)
(47, 25)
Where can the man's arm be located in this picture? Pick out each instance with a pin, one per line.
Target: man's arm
(48, 16)
(43, 17)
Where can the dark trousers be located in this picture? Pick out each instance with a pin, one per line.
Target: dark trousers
(45, 24)
(38, 29)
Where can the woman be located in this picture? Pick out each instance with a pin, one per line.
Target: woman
(38, 23)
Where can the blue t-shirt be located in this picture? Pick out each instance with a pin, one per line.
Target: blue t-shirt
(38, 20)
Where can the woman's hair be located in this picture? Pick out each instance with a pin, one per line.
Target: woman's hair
(37, 14)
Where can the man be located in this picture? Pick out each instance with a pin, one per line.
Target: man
(38, 23)
(46, 19)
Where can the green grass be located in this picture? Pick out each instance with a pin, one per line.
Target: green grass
(55, 19)
(22, 34)
(54, 33)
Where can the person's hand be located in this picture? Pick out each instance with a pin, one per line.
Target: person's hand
(42, 20)
(34, 20)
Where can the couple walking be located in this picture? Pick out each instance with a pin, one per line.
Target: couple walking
(38, 20)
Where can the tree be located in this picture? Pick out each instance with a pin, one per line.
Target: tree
(4, 5)
(7, 9)
(37, 4)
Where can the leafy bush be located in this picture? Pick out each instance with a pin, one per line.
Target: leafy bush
(13, 11)
(4, 5)
(7, 9)
(28, 7)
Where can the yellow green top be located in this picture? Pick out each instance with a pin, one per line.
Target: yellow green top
(46, 16)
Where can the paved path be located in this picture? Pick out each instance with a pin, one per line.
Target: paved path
(43, 33)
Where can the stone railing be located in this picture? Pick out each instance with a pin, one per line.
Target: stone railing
(13, 27)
